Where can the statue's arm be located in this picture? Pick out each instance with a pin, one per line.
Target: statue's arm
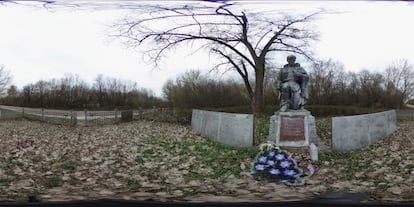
(301, 73)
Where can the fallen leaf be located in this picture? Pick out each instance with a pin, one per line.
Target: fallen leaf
(22, 184)
(395, 190)
(106, 192)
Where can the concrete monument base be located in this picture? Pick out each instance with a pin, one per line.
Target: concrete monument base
(294, 129)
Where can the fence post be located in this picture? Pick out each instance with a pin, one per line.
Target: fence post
(23, 112)
(86, 117)
(73, 118)
(116, 114)
(140, 112)
(43, 114)
(0, 113)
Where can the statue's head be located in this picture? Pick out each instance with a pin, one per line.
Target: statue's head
(291, 59)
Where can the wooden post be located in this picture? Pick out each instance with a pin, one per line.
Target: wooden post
(43, 114)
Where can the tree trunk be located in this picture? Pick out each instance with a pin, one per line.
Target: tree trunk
(257, 102)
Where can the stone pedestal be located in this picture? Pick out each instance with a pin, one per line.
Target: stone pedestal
(294, 129)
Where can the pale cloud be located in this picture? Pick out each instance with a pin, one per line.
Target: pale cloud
(367, 35)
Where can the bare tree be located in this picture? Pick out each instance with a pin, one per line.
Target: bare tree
(271, 80)
(192, 89)
(328, 82)
(370, 88)
(5, 79)
(242, 40)
(399, 81)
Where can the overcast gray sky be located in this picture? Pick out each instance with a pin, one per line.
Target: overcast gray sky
(37, 43)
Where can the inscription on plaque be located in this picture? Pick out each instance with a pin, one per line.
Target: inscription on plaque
(292, 129)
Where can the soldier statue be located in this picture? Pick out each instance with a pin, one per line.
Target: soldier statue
(293, 86)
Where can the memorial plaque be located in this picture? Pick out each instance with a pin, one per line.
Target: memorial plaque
(292, 129)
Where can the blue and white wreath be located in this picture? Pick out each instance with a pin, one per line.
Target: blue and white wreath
(275, 165)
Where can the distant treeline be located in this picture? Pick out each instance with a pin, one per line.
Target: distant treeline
(194, 90)
(389, 88)
(329, 85)
(71, 92)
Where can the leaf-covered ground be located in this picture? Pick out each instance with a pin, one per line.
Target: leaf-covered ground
(151, 160)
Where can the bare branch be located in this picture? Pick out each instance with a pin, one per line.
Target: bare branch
(243, 73)
(285, 27)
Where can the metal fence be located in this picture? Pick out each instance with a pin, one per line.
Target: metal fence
(98, 117)
(71, 118)
(50, 116)
(405, 114)
(8, 114)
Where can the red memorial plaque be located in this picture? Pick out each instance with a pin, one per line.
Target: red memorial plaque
(292, 129)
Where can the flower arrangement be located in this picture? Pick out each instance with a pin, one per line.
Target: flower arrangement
(275, 165)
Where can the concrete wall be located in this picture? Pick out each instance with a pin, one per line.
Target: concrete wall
(227, 128)
(354, 132)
